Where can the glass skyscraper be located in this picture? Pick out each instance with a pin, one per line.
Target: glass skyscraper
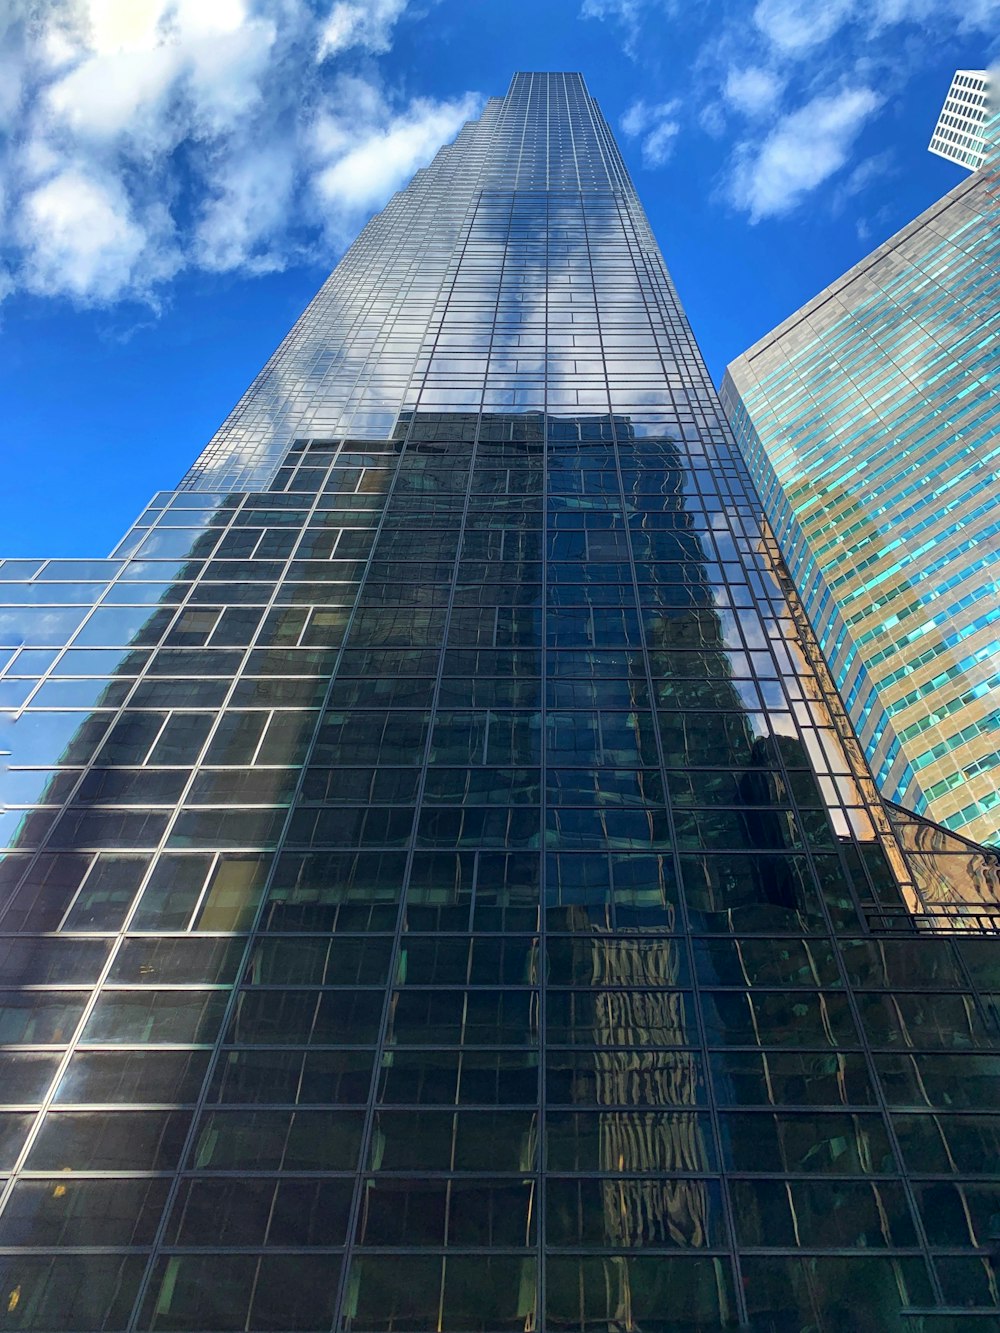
(443, 888)
(871, 423)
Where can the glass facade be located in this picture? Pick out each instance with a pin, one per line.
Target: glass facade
(443, 890)
(870, 422)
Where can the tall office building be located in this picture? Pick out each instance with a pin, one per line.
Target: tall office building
(871, 422)
(443, 891)
(960, 132)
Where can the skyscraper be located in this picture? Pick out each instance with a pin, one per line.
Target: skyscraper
(959, 134)
(870, 421)
(444, 891)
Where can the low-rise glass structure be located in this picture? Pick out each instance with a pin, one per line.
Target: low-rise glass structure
(442, 888)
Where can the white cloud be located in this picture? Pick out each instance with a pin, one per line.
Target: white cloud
(759, 59)
(753, 90)
(386, 157)
(230, 69)
(981, 16)
(878, 167)
(628, 15)
(658, 126)
(770, 62)
(796, 26)
(365, 23)
(804, 149)
(712, 119)
(145, 136)
(11, 66)
(116, 26)
(635, 119)
(659, 143)
(623, 11)
(242, 224)
(82, 239)
(136, 55)
(108, 95)
(965, 15)
(362, 150)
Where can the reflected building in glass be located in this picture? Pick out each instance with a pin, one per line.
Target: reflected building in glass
(443, 890)
(870, 423)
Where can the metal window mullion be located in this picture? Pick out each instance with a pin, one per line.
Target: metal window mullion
(251, 934)
(371, 1109)
(702, 1040)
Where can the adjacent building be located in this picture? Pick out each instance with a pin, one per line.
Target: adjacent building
(871, 422)
(960, 132)
(442, 887)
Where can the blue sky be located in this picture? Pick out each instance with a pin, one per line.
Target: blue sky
(178, 176)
